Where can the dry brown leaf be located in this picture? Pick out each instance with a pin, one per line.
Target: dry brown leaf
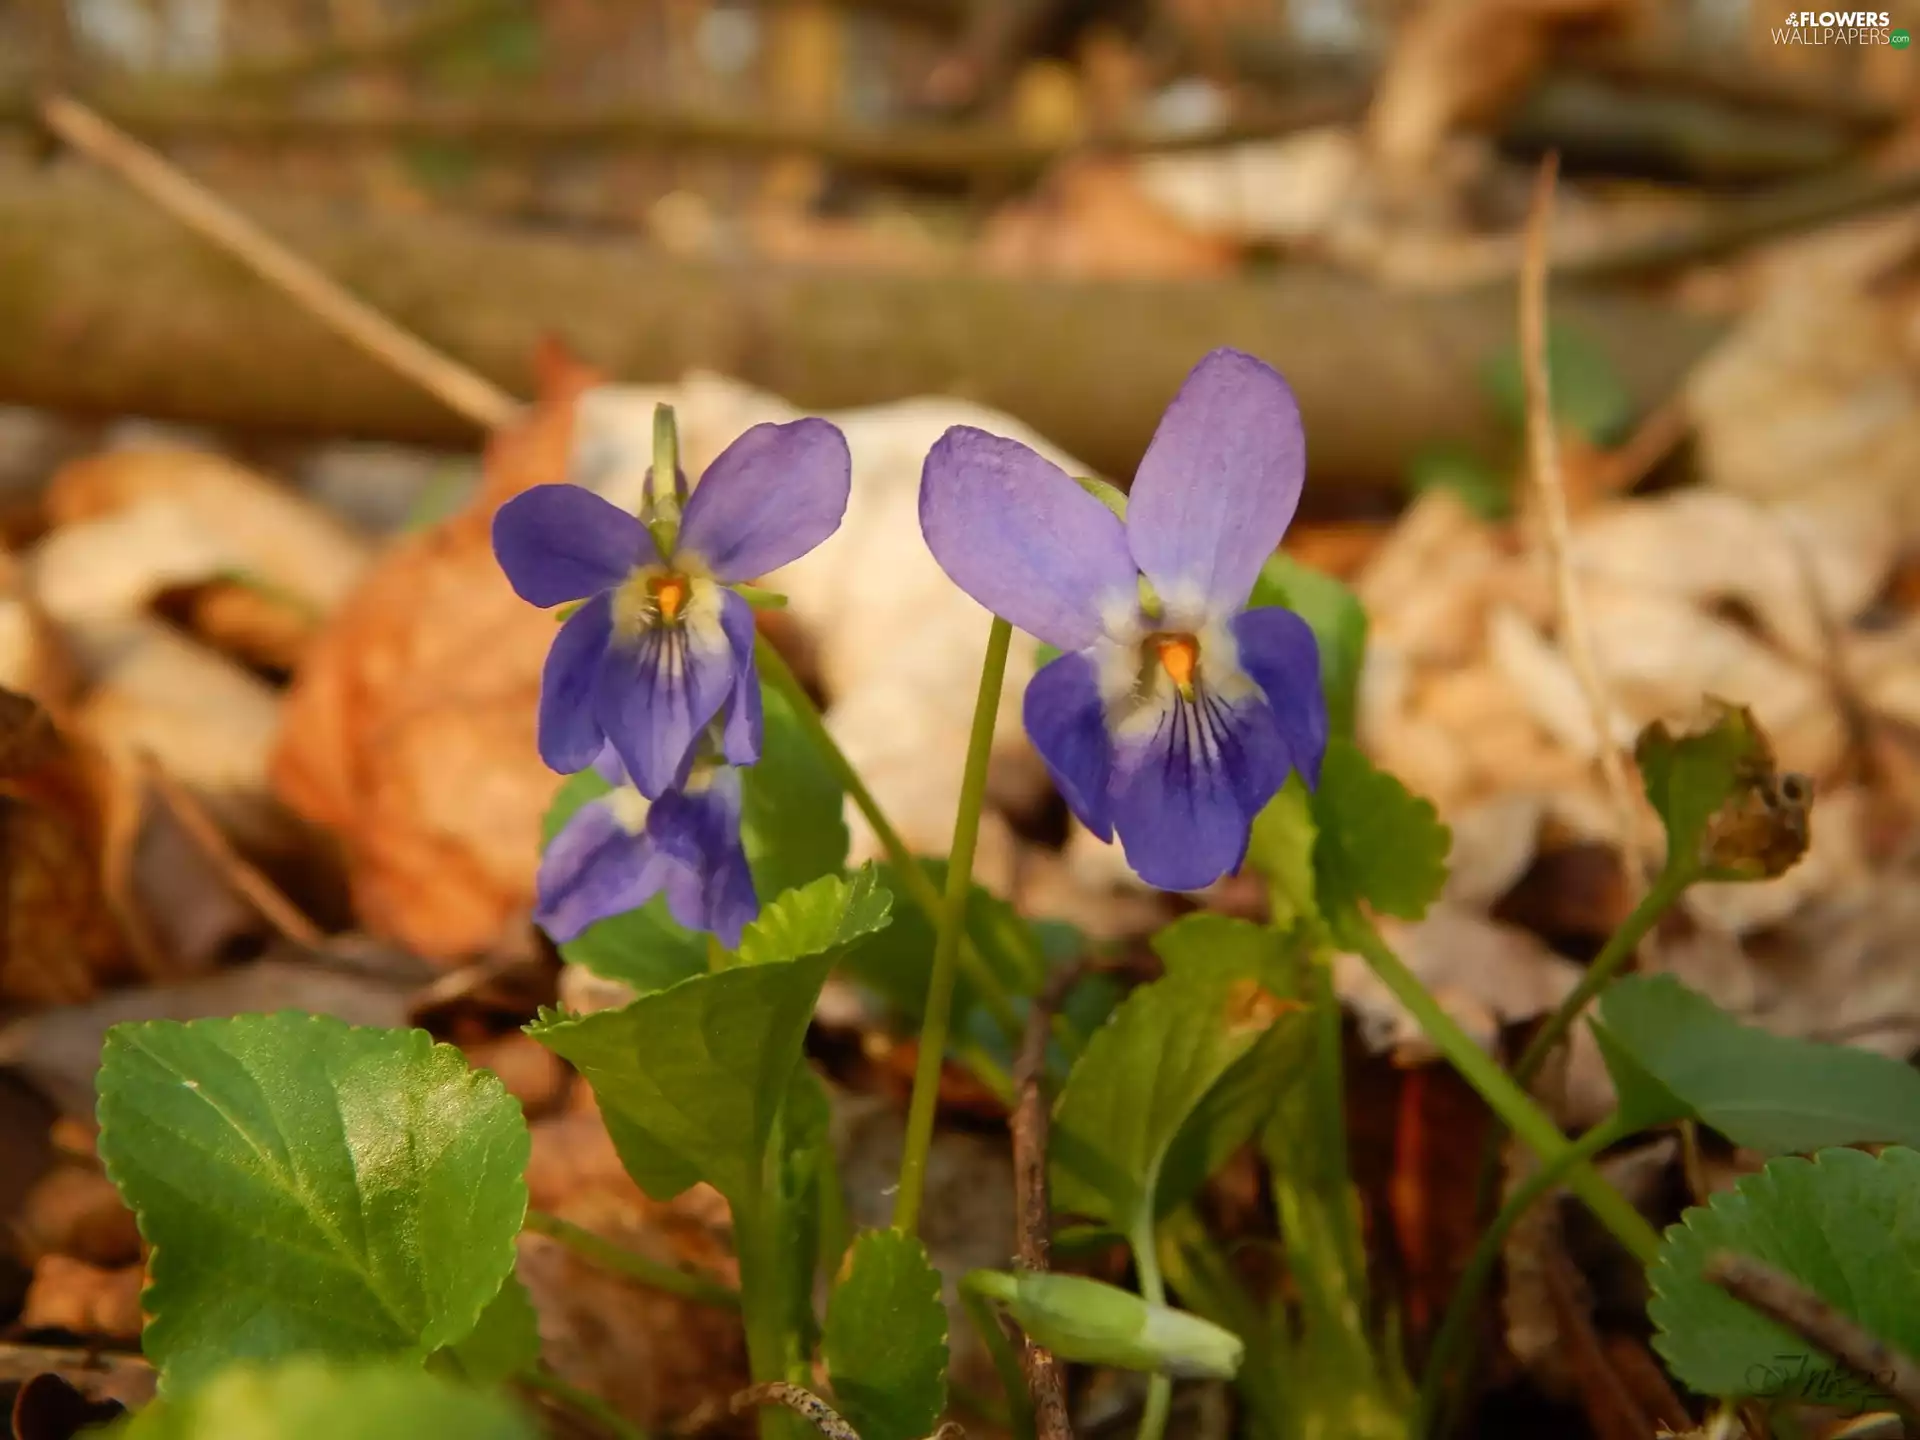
(59, 939)
(655, 1357)
(409, 732)
(274, 535)
(1092, 219)
(76, 1211)
(84, 1299)
(1462, 62)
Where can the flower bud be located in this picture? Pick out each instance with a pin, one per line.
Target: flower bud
(1091, 1323)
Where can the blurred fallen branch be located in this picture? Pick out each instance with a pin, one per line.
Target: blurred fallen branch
(97, 286)
(928, 152)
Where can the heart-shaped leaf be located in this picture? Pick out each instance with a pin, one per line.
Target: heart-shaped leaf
(1844, 1224)
(886, 1338)
(310, 1399)
(309, 1186)
(1674, 1055)
(1147, 1074)
(691, 1078)
(828, 915)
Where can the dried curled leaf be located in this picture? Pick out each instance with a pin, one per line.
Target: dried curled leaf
(1728, 810)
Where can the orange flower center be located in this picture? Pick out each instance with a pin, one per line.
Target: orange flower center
(1179, 656)
(669, 593)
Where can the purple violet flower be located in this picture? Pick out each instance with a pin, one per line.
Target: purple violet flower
(617, 852)
(1176, 712)
(661, 644)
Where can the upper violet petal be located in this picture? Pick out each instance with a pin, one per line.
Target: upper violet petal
(1015, 532)
(1186, 791)
(569, 734)
(561, 542)
(1218, 486)
(594, 869)
(657, 694)
(741, 732)
(1278, 649)
(1068, 727)
(770, 497)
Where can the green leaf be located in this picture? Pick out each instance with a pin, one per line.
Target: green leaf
(690, 1079)
(886, 1338)
(1589, 395)
(1338, 622)
(1282, 850)
(310, 1399)
(792, 826)
(1674, 1054)
(504, 1344)
(803, 1144)
(829, 914)
(1485, 491)
(309, 1186)
(1844, 1224)
(1378, 842)
(1145, 1077)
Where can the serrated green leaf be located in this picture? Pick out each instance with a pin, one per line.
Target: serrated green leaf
(504, 1344)
(1674, 1054)
(829, 914)
(1589, 395)
(689, 1079)
(1378, 842)
(1338, 621)
(1728, 814)
(1282, 850)
(886, 1338)
(1844, 1224)
(792, 827)
(1144, 1078)
(309, 1399)
(309, 1186)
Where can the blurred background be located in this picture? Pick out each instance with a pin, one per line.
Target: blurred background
(267, 732)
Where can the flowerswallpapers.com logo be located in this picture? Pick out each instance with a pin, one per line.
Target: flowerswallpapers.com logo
(1839, 27)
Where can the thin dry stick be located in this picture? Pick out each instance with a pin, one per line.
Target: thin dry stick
(1031, 1123)
(1543, 451)
(454, 385)
(1788, 1303)
(245, 878)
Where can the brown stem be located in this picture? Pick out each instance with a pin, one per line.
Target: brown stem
(1788, 1303)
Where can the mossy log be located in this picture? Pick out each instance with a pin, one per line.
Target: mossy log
(107, 306)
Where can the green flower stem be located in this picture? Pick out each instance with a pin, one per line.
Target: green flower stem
(913, 878)
(1617, 952)
(654, 1274)
(1330, 1106)
(758, 1243)
(1456, 1325)
(584, 1402)
(949, 931)
(1146, 1260)
(1506, 1099)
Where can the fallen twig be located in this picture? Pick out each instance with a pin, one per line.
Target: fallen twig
(1543, 452)
(454, 385)
(1033, 1215)
(1788, 1303)
(822, 1416)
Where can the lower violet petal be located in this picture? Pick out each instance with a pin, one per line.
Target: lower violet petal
(1067, 726)
(569, 734)
(1186, 792)
(657, 694)
(594, 869)
(741, 733)
(1278, 649)
(711, 887)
